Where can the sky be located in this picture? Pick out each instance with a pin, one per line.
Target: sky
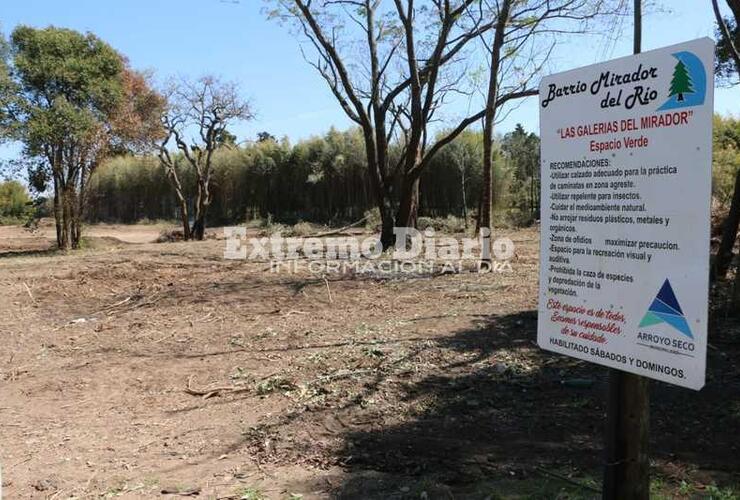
(235, 40)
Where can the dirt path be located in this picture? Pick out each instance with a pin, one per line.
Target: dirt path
(357, 387)
(18, 239)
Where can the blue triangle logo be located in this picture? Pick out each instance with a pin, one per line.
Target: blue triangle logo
(666, 309)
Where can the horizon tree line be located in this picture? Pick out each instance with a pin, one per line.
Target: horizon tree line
(393, 67)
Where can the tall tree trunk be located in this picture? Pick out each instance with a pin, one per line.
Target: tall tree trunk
(198, 231)
(531, 197)
(202, 202)
(199, 227)
(490, 115)
(75, 222)
(184, 215)
(184, 219)
(478, 215)
(381, 191)
(408, 205)
(66, 222)
(57, 173)
(387, 223)
(58, 210)
(464, 200)
(484, 216)
(78, 203)
(729, 234)
(76, 225)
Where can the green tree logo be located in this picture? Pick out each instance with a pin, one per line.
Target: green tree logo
(681, 82)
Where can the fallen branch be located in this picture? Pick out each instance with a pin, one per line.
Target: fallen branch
(566, 479)
(328, 290)
(28, 290)
(214, 391)
(340, 374)
(340, 230)
(119, 303)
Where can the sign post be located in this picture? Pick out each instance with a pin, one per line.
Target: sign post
(626, 454)
(626, 187)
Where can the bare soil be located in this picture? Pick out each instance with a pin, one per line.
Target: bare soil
(134, 369)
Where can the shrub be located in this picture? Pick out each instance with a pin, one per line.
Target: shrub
(372, 219)
(15, 204)
(449, 224)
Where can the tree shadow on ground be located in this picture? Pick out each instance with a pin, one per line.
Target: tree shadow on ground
(45, 252)
(503, 414)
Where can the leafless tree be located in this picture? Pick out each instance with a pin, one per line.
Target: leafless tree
(391, 66)
(520, 45)
(196, 118)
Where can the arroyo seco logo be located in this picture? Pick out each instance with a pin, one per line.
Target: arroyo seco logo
(665, 310)
(688, 84)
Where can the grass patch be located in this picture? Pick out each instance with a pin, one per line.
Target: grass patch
(250, 493)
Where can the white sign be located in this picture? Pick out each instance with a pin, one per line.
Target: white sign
(626, 189)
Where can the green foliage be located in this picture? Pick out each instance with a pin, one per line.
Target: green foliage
(324, 180)
(129, 188)
(57, 62)
(449, 224)
(68, 84)
(442, 182)
(515, 177)
(8, 92)
(251, 493)
(318, 180)
(372, 219)
(725, 157)
(522, 152)
(274, 384)
(725, 68)
(714, 492)
(13, 198)
(73, 98)
(15, 204)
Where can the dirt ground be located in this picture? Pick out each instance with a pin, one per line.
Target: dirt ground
(135, 369)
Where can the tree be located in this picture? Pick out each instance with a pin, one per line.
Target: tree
(14, 199)
(70, 110)
(265, 136)
(7, 91)
(465, 154)
(521, 43)
(391, 66)
(728, 43)
(681, 82)
(522, 150)
(462, 156)
(205, 106)
(728, 54)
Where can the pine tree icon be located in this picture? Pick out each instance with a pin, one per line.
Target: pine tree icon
(681, 82)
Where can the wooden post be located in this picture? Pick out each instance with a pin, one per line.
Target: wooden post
(627, 467)
(637, 36)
